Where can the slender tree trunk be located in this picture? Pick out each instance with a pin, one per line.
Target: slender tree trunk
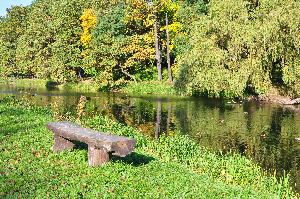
(158, 119)
(157, 47)
(168, 50)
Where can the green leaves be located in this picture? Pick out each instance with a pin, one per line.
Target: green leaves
(12, 27)
(218, 48)
(49, 46)
(233, 48)
(105, 51)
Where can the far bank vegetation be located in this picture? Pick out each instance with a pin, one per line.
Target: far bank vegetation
(217, 48)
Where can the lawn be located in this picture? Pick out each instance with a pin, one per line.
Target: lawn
(172, 167)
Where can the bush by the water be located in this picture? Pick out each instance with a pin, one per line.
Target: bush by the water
(171, 167)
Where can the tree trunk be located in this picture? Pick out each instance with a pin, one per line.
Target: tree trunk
(157, 47)
(168, 50)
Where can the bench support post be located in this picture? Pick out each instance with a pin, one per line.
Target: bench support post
(97, 156)
(61, 144)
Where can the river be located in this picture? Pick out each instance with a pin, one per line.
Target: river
(263, 132)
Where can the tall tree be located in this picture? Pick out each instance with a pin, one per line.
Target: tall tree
(50, 47)
(157, 46)
(12, 27)
(168, 50)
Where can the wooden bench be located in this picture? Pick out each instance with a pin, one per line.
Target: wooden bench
(99, 144)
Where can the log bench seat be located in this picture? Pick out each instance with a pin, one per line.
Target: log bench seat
(99, 144)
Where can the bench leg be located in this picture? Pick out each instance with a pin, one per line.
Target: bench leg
(97, 156)
(61, 144)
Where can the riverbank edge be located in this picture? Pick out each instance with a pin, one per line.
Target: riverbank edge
(154, 88)
(84, 86)
(231, 172)
(87, 86)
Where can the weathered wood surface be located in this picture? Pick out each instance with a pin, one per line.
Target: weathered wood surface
(99, 144)
(97, 156)
(61, 144)
(119, 145)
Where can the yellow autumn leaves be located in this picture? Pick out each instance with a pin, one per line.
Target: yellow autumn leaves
(121, 41)
(88, 22)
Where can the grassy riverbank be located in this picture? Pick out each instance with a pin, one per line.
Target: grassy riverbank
(150, 87)
(172, 167)
(153, 88)
(84, 86)
(140, 88)
(24, 83)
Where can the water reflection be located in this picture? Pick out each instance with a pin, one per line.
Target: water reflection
(265, 133)
(158, 118)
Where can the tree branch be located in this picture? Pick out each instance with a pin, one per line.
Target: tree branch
(128, 74)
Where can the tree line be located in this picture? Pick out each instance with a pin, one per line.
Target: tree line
(219, 48)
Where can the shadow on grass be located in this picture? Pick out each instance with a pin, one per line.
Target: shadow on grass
(135, 159)
(80, 145)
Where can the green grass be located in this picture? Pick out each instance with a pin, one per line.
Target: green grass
(149, 87)
(173, 167)
(141, 88)
(80, 87)
(84, 86)
(24, 83)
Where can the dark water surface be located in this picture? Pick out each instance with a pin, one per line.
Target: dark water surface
(264, 132)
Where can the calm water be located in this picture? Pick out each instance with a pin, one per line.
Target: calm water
(264, 132)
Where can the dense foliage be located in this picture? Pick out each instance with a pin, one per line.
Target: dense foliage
(157, 169)
(243, 47)
(217, 48)
(12, 27)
